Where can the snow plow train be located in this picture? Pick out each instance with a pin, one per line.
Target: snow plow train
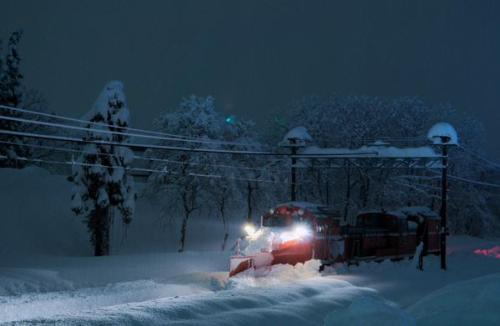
(296, 232)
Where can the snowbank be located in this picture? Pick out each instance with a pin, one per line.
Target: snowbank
(163, 289)
(473, 302)
(15, 281)
(370, 311)
(192, 288)
(272, 302)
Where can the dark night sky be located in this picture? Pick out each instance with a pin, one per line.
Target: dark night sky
(254, 56)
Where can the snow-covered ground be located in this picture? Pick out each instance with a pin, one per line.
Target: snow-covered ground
(193, 288)
(47, 277)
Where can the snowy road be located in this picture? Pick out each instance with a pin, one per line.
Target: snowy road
(193, 289)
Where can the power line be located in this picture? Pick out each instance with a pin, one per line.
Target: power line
(55, 116)
(147, 132)
(472, 153)
(137, 157)
(112, 132)
(180, 137)
(134, 145)
(356, 154)
(412, 186)
(216, 176)
(471, 181)
(209, 164)
(479, 183)
(144, 147)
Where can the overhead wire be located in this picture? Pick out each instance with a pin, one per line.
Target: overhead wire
(174, 148)
(472, 153)
(135, 145)
(165, 171)
(176, 136)
(475, 182)
(121, 133)
(167, 136)
(136, 157)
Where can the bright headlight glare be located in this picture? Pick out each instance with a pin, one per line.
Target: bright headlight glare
(298, 232)
(302, 231)
(249, 229)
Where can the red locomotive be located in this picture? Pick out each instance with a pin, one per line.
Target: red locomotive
(296, 232)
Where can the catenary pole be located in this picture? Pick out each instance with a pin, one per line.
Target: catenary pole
(444, 202)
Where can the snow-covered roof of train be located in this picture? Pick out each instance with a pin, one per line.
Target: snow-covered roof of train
(315, 208)
(376, 151)
(404, 212)
(419, 210)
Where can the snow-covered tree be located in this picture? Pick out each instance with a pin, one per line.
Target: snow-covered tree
(101, 180)
(353, 121)
(14, 93)
(11, 94)
(193, 181)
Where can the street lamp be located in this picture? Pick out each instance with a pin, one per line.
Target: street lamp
(443, 134)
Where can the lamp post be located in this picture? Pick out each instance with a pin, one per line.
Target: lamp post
(296, 138)
(444, 201)
(444, 135)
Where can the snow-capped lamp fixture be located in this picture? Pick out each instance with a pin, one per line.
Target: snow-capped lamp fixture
(296, 137)
(443, 133)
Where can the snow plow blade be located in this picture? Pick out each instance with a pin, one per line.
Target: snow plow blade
(290, 253)
(238, 264)
(258, 261)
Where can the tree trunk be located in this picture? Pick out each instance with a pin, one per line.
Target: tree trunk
(101, 232)
(348, 192)
(249, 202)
(364, 189)
(183, 232)
(226, 236)
(327, 191)
(222, 210)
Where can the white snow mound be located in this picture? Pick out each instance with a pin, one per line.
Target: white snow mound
(370, 311)
(473, 302)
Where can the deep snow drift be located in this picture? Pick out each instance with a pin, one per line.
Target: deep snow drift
(47, 277)
(193, 288)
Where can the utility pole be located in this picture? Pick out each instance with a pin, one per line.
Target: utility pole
(444, 201)
(294, 139)
(443, 134)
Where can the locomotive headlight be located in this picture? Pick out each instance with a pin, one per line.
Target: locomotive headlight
(252, 232)
(249, 229)
(298, 232)
(302, 231)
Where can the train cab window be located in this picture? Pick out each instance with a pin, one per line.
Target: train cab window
(379, 221)
(369, 220)
(275, 221)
